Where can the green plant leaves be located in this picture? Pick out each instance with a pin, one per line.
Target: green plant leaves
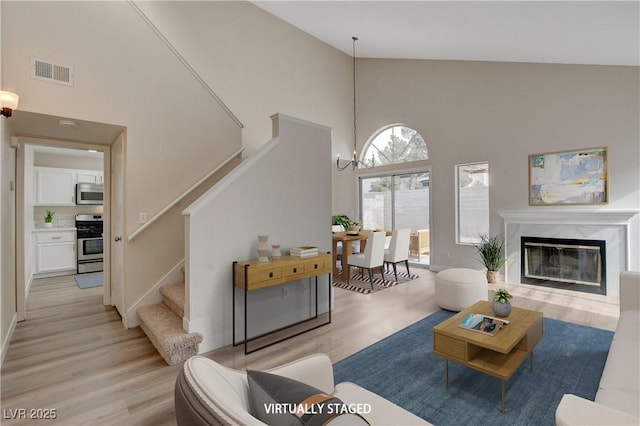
(491, 251)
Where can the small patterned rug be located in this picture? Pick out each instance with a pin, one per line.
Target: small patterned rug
(361, 284)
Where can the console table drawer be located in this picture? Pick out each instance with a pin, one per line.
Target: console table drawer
(317, 265)
(291, 270)
(255, 275)
(264, 275)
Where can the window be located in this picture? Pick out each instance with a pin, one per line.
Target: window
(396, 144)
(472, 202)
(397, 197)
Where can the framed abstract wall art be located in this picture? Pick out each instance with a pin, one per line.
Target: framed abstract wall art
(569, 178)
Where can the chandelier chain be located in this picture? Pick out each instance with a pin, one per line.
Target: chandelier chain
(355, 134)
(355, 163)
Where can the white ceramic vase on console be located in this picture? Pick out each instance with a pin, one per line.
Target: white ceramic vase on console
(264, 249)
(275, 252)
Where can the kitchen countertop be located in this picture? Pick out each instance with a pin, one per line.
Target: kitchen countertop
(54, 229)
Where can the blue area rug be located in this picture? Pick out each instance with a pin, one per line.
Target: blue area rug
(402, 368)
(89, 280)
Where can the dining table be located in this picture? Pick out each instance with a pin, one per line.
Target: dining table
(347, 247)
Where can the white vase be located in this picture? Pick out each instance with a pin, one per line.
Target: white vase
(264, 249)
(48, 225)
(275, 252)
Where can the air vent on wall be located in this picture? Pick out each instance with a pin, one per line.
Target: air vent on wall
(49, 71)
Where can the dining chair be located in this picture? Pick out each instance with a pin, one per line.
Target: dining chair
(398, 250)
(373, 256)
(419, 243)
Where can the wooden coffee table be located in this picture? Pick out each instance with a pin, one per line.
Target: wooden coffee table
(498, 356)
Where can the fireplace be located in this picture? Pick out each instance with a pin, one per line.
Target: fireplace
(618, 228)
(572, 264)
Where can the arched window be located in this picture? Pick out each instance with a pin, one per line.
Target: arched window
(395, 144)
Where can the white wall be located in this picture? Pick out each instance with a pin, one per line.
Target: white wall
(124, 74)
(176, 132)
(7, 239)
(281, 192)
(501, 113)
(8, 309)
(8, 314)
(258, 65)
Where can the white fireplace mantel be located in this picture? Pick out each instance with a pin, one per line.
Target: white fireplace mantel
(569, 217)
(619, 228)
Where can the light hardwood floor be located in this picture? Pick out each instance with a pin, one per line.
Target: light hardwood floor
(73, 355)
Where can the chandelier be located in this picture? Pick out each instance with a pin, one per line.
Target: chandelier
(354, 162)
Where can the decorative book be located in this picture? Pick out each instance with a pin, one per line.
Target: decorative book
(304, 251)
(483, 324)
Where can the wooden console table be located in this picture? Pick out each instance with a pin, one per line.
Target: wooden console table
(253, 275)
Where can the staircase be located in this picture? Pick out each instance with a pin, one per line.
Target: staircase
(162, 323)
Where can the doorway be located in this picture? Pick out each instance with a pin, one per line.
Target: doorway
(398, 200)
(37, 130)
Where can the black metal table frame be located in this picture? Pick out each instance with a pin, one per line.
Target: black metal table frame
(246, 340)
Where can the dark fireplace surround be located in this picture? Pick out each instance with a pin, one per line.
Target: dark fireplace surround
(571, 264)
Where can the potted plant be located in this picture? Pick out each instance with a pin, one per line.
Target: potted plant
(354, 226)
(492, 254)
(501, 304)
(48, 218)
(341, 220)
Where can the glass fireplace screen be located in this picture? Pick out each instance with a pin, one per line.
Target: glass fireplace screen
(564, 260)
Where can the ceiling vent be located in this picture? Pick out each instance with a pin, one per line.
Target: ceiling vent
(49, 71)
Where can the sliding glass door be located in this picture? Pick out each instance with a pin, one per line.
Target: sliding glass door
(396, 201)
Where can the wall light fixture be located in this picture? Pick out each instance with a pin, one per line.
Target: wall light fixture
(9, 102)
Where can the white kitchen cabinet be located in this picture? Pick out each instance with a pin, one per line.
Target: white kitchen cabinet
(55, 251)
(55, 187)
(90, 176)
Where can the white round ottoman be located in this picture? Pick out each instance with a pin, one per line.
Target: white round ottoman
(459, 288)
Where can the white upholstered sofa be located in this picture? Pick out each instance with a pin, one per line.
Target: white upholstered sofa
(208, 393)
(617, 401)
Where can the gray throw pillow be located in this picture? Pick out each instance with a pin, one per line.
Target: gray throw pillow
(279, 400)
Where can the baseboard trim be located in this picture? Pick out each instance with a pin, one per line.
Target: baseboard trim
(28, 286)
(7, 339)
(438, 268)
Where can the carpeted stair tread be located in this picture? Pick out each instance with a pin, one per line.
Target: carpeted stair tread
(173, 297)
(164, 329)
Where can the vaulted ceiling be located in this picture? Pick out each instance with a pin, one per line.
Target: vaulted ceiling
(572, 32)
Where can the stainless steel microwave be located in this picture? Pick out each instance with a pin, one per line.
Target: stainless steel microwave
(89, 193)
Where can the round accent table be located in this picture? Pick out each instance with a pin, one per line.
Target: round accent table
(459, 288)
